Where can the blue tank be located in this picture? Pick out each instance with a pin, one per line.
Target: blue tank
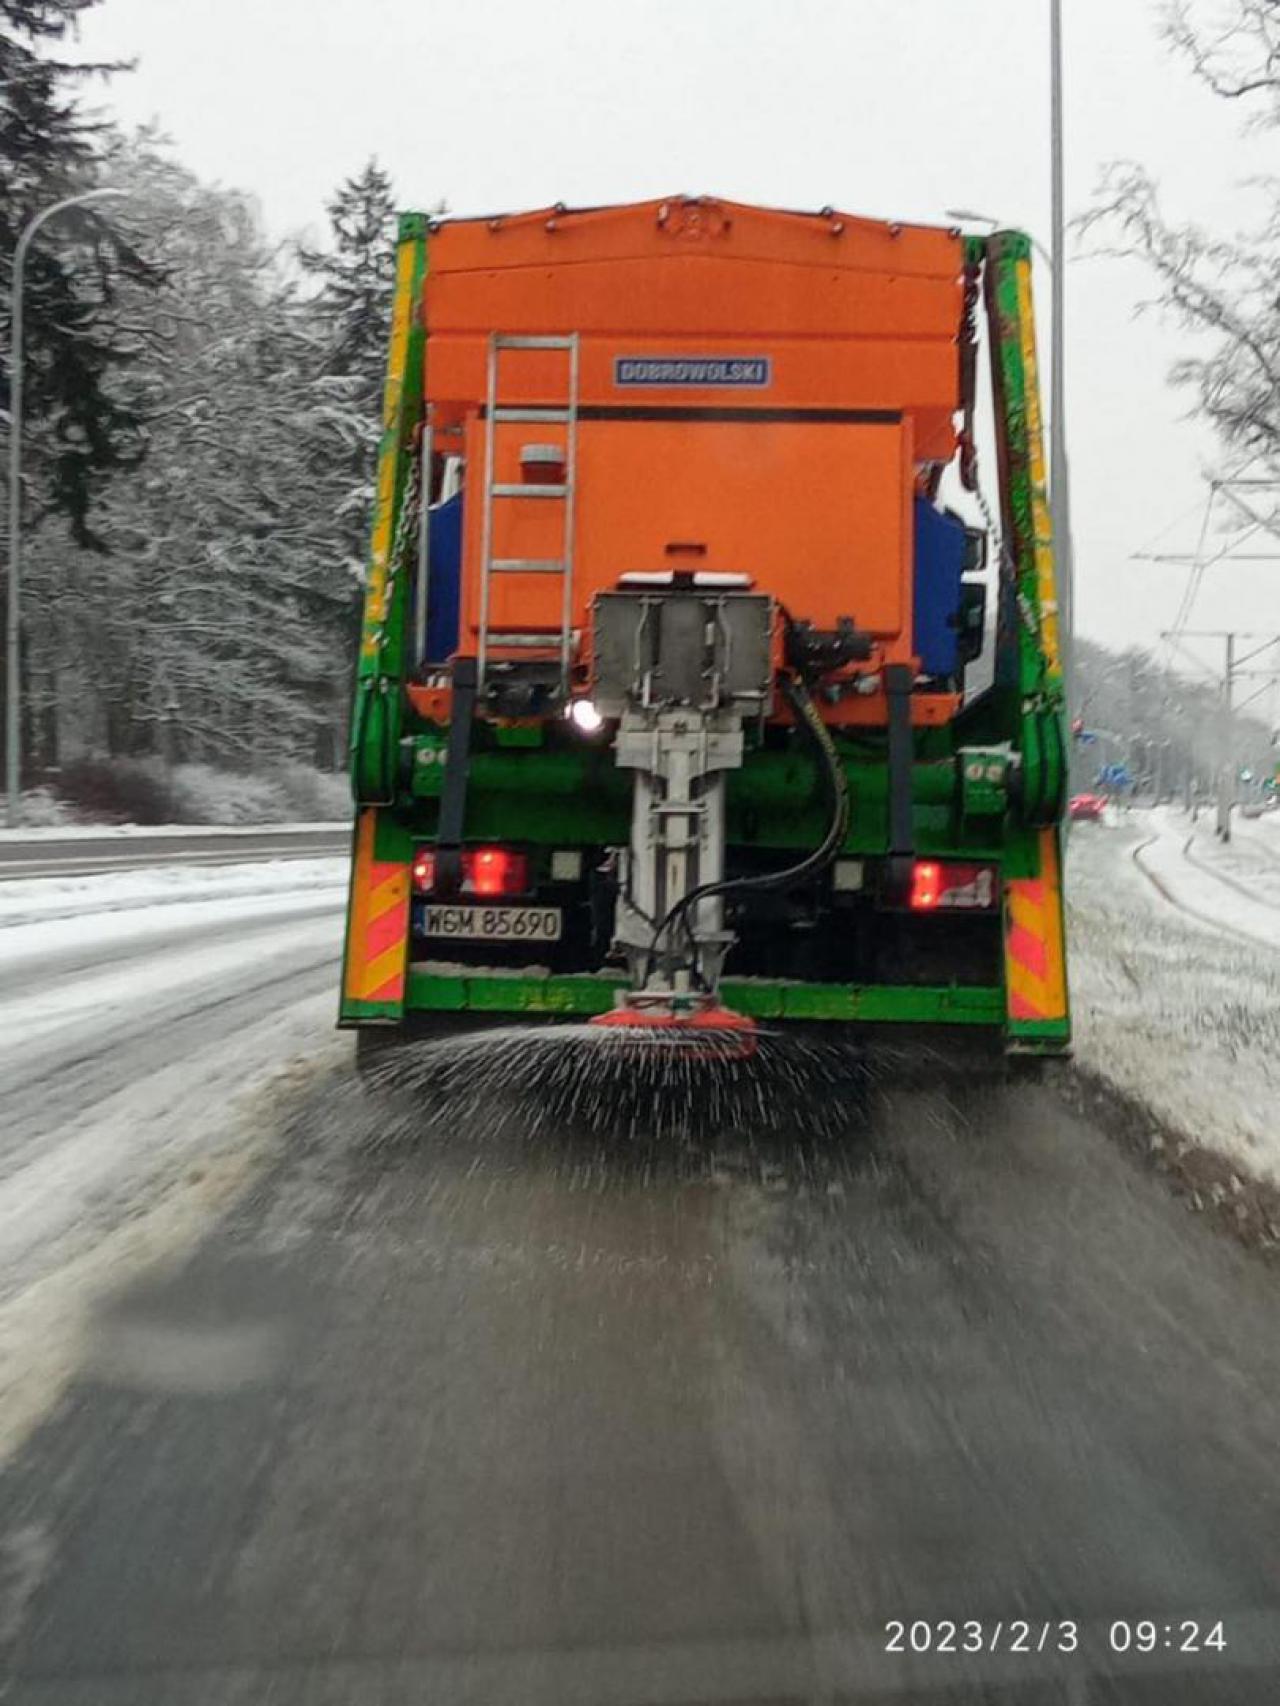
(444, 579)
(940, 557)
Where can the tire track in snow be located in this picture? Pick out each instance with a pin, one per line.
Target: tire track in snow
(1207, 918)
(62, 1087)
(1222, 877)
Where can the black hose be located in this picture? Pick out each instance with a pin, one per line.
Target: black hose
(837, 788)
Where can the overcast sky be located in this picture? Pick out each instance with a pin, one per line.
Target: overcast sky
(901, 108)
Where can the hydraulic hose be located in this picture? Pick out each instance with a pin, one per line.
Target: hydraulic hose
(837, 789)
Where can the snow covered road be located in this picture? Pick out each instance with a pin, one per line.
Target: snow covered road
(1175, 976)
(1234, 887)
(310, 1393)
(141, 1018)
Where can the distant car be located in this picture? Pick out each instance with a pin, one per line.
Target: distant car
(1087, 808)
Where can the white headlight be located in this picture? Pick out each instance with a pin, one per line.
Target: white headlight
(585, 718)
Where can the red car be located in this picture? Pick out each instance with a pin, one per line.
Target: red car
(1087, 808)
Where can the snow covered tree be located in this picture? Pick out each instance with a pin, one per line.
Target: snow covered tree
(1217, 285)
(213, 624)
(215, 620)
(354, 276)
(81, 420)
(1233, 48)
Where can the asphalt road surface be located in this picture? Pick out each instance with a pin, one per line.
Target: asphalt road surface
(442, 1411)
(89, 855)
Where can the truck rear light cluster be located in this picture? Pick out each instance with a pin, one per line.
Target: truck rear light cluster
(951, 887)
(488, 873)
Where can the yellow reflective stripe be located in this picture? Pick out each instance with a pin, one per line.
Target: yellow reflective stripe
(1046, 579)
(400, 318)
(388, 456)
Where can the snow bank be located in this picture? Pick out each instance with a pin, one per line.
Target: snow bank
(81, 900)
(200, 794)
(41, 808)
(1175, 977)
(1232, 888)
(146, 790)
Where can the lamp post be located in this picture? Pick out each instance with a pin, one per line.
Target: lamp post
(13, 694)
(1059, 471)
(1054, 259)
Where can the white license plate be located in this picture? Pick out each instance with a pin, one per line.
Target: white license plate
(493, 923)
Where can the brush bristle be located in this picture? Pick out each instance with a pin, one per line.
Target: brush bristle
(642, 1082)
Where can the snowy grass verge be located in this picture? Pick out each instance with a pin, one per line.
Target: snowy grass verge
(47, 900)
(93, 789)
(1178, 1016)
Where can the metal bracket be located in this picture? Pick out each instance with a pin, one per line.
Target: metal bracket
(457, 771)
(898, 682)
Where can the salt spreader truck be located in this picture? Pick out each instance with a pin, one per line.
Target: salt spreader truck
(689, 695)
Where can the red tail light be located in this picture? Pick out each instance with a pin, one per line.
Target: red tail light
(487, 872)
(424, 870)
(926, 885)
(951, 887)
(494, 870)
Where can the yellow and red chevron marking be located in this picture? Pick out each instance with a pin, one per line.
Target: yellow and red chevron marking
(378, 929)
(1035, 965)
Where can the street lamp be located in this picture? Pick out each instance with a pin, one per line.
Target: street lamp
(12, 690)
(1055, 259)
(1059, 472)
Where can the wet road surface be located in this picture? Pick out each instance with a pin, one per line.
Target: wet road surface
(442, 1415)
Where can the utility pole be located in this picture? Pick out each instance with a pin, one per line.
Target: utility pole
(1226, 769)
(1233, 671)
(1055, 257)
(1059, 475)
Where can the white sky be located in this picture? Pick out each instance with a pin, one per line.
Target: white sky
(901, 108)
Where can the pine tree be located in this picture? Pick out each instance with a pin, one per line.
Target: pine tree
(214, 625)
(80, 418)
(356, 274)
(352, 312)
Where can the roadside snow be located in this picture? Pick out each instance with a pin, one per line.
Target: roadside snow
(1175, 976)
(1233, 888)
(108, 831)
(150, 1021)
(33, 900)
(135, 1182)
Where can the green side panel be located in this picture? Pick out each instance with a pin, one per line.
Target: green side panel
(1048, 1037)
(867, 1003)
(584, 996)
(1027, 659)
(355, 1013)
(1021, 853)
(580, 798)
(394, 840)
(433, 992)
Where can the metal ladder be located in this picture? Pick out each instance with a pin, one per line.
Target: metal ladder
(496, 415)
